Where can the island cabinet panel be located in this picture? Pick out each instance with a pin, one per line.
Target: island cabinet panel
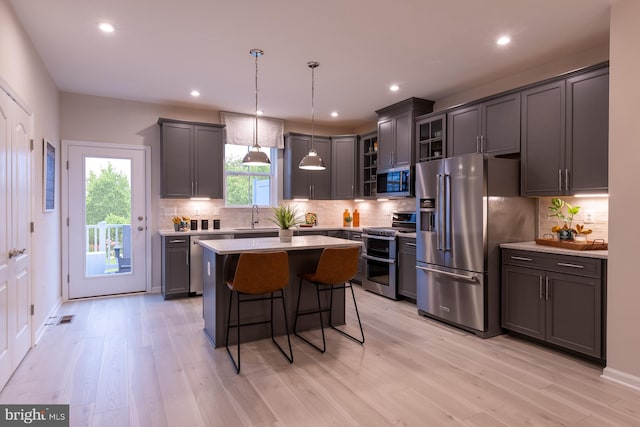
(343, 167)
(192, 159)
(565, 129)
(304, 184)
(491, 127)
(557, 299)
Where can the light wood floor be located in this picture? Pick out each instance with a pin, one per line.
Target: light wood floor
(142, 361)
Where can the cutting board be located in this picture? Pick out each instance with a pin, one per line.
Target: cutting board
(589, 245)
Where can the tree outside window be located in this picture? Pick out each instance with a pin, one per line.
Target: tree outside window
(247, 185)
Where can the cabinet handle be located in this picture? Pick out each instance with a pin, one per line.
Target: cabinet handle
(186, 257)
(566, 264)
(546, 289)
(410, 244)
(521, 258)
(483, 144)
(177, 241)
(196, 193)
(540, 287)
(310, 191)
(192, 193)
(566, 179)
(560, 179)
(477, 144)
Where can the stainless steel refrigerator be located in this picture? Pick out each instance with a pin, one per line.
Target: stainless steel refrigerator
(468, 205)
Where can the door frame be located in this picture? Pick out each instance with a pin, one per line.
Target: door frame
(64, 204)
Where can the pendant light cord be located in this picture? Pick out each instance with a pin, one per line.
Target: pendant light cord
(256, 144)
(313, 69)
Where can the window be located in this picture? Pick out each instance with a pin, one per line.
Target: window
(247, 185)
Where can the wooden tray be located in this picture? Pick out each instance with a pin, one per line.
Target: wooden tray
(589, 245)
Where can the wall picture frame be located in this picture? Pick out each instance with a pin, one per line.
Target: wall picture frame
(48, 176)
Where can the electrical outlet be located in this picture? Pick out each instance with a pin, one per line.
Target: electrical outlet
(588, 217)
(169, 211)
(196, 212)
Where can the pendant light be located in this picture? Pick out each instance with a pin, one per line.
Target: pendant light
(255, 157)
(312, 161)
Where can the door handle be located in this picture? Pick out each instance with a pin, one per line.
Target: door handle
(473, 279)
(140, 218)
(140, 228)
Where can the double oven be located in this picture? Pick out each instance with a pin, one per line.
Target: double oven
(381, 254)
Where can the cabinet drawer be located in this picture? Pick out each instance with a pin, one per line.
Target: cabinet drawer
(176, 241)
(567, 264)
(407, 245)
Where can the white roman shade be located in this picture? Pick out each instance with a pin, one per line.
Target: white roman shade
(239, 129)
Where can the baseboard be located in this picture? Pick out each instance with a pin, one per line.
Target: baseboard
(52, 313)
(155, 289)
(631, 381)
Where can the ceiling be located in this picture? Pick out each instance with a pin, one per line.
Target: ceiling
(162, 49)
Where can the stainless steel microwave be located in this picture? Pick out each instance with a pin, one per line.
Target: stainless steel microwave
(397, 182)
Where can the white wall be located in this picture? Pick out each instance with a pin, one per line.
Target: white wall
(623, 298)
(22, 68)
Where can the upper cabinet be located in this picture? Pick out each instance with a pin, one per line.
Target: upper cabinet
(368, 157)
(431, 137)
(343, 166)
(304, 184)
(565, 127)
(396, 132)
(491, 127)
(192, 158)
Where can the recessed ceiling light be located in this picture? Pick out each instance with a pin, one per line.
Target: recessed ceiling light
(504, 40)
(195, 93)
(106, 27)
(334, 114)
(259, 112)
(394, 88)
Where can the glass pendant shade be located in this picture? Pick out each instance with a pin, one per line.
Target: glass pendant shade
(312, 162)
(255, 157)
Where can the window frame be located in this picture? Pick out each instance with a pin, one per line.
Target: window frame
(273, 187)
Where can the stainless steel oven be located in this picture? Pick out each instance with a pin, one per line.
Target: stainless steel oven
(380, 263)
(380, 254)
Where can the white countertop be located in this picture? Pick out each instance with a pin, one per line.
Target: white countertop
(534, 247)
(235, 246)
(302, 230)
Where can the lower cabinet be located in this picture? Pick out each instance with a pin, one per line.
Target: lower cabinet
(175, 266)
(555, 298)
(407, 267)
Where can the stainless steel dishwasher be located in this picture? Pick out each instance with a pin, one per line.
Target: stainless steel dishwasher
(195, 261)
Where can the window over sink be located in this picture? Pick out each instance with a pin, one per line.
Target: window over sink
(248, 185)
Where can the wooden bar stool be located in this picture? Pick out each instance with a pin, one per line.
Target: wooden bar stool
(258, 273)
(336, 268)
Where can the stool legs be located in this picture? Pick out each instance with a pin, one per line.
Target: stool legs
(271, 297)
(320, 310)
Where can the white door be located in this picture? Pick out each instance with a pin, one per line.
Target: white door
(107, 240)
(15, 215)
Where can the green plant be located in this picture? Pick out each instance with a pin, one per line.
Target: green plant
(285, 216)
(556, 210)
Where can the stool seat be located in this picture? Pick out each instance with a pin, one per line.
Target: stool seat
(257, 273)
(336, 268)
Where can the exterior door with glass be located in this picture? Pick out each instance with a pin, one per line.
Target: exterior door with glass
(107, 219)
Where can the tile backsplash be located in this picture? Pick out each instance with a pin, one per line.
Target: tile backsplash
(594, 214)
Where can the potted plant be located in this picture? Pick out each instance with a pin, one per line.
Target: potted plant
(556, 210)
(285, 217)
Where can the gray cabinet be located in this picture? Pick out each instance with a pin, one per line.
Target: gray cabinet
(304, 184)
(175, 266)
(407, 267)
(431, 137)
(192, 159)
(491, 127)
(565, 126)
(396, 132)
(555, 298)
(343, 166)
(368, 157)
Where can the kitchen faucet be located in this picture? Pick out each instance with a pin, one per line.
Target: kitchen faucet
(254, 216)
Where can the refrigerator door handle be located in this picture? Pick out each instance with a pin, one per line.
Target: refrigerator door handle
(447, 186)
(438, 213)
(473, 279)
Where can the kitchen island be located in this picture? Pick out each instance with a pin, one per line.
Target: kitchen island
(304, 253)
